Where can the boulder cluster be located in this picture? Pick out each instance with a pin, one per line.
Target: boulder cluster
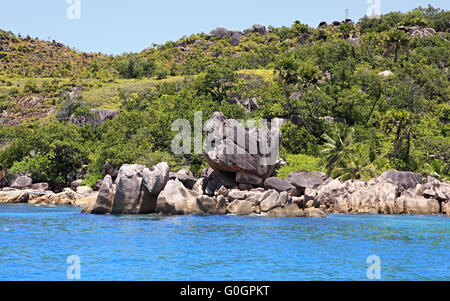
(240, 181)
(23, 191)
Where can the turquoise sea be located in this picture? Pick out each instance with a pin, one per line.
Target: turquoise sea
(36, 242)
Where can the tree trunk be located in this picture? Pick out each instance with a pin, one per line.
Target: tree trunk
(397, 143)
(288, 99)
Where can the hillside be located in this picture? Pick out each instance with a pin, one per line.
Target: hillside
(381, 86)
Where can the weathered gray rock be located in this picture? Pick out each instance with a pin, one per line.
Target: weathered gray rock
(216, 180)
(243, 178)
(154, 181)
(95, 118)
(129, 183)
(13, 197)
(222, 205)
(314, 212)
(291, 210)
(240, 207)
(237, 195)
(232, 148)
(176, 199)
(446, 208)
(403, 179)
(270, 201)
(207, 205)
(138, 188)
(278, 184)
(86, 200)
(40, 186)
(261, 29)
(199, 186)
(22, 182)
(84, 190)
(219, 32)
(235, 39)
(416, 205)
(66, 198)
(306, 179)
(103, 202)
(75, 184)
(185, 177)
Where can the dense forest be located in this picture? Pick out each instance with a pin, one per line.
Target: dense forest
(359, 98)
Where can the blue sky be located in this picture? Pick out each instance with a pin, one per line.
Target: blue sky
(117, 26)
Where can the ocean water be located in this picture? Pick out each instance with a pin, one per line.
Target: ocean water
(35, 244)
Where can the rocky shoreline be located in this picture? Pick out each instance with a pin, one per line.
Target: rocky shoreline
(239, 183)
(141, 190)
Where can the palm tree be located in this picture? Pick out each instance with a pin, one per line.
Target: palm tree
(397, 121)
(394, 41)
(336, 149)
(437, 169)
(287, 71)
(357, 165)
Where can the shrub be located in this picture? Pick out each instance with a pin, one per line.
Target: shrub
(299, 163)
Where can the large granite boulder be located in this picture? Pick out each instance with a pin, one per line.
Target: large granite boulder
(235, 39)
(249, 153)
(84, 190)
(261, 29)
(103, 202)
(403, 179)
(278, 184)
(176, 199)
(40, 186)
(219, 32)
(306, 179)
(240, 207)
(22, 182)
(417, 205)
(66, 198)
(215, 180)
(184, 177)
(138, 188)
(13, 197)
(291, 210)
(86, 200)
(270, 200)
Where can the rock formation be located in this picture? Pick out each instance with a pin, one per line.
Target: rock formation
(247, 152)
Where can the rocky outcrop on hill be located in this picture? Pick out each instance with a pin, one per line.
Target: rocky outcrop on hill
(95, 118)
(219, 32)
(417, 31)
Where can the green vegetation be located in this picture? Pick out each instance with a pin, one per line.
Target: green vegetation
(357, 99)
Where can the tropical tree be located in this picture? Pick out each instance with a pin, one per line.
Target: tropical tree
(358, 164)
(397, 121)
(217, 81)
(394, 42)
(287, 71)
(336, 148)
